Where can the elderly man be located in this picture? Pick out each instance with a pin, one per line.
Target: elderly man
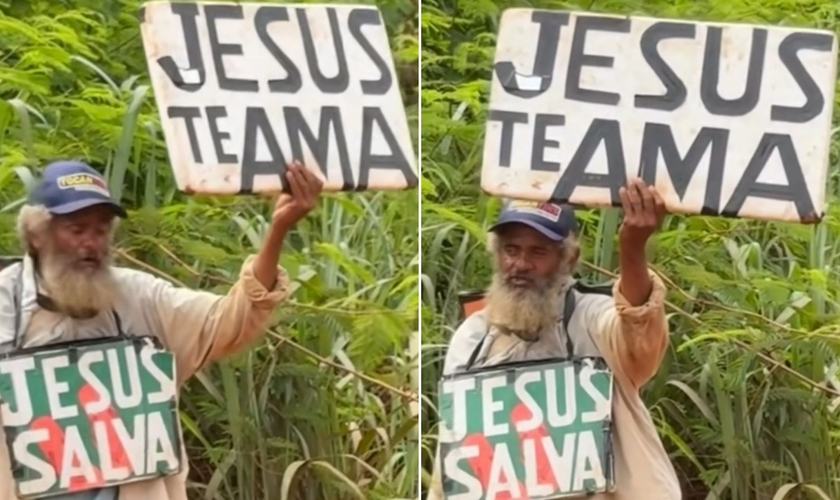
(534, 310)
(65, 296)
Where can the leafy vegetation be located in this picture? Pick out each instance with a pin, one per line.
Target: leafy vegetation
(746, 398)
(325, 407)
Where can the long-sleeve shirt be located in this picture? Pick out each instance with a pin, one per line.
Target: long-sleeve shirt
(198, 327)
(633, 341)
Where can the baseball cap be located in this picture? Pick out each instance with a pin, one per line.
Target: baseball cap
(69, 186)
(551, 220)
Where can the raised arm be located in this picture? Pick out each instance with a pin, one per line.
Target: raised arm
(634, 329)
(633, 337)
(201, 327)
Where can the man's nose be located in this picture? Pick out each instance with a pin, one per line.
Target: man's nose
(522, 263)
(90, 244)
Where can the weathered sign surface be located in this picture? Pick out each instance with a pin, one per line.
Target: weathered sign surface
(537, 432)
(728, 120)
(245, 88)
(89, 416)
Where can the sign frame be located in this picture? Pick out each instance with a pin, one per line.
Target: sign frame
(242, 91)
(509, 370)
(169, 411)
(559, 131)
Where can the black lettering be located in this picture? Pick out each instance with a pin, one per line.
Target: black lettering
(814, 100)
(358, 18)
(608, 132)
(658, 137)
(213, 114)
(256, 120)
(675, 91)
(266, 15)
(320, 145)
(508, 119)
(188, 113)
(577, 58)
(710, 77)
(544, 60)
(541, 123)
(188, 13)
(796, 190)
(369, 161)
(339, 82)
(214, 12)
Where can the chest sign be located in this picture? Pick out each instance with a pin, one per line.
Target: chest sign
(89, 416)
(729, 120)
(245, 88)
(538, 431)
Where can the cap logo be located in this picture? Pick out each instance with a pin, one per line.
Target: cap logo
(83, 182)
(546, 210)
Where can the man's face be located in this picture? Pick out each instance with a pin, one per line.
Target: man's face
(74, 261)
(527, 259)
(524, 297)
(82, 239)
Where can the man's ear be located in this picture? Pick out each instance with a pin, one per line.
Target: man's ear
(576, 256)
(36, 240)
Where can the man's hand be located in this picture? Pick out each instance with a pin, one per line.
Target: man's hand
(305, 189)
(644, 211)
(643, 214)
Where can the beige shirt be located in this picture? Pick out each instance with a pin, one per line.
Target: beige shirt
(633, 341)
(196, 326)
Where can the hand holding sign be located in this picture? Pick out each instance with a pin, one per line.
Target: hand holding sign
(305, 187)
(644, 211)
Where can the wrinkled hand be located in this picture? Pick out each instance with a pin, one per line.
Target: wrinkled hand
(305, 187)
(644, 211)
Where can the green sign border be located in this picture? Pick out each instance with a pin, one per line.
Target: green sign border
(511, 369)
(75, 349)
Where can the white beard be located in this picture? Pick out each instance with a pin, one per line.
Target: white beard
(77, 292)
(526, 312)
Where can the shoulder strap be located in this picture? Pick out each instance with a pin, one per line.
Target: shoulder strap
(17, 302)
(569, 305)
(595, 289)
(474, 353)
(568, 309)
(7, 261)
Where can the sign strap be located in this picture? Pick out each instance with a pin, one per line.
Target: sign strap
(46, 303)
(569, 304)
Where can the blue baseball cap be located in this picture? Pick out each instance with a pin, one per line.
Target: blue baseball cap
(70, 186)
(553, 221)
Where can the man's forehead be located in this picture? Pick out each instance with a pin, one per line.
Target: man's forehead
(96, 213)
(515, 232)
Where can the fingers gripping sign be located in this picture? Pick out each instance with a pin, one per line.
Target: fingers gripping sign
(644, 211)
(305, 188)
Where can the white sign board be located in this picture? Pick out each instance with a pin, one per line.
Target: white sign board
(245, 88)
(725, 119)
